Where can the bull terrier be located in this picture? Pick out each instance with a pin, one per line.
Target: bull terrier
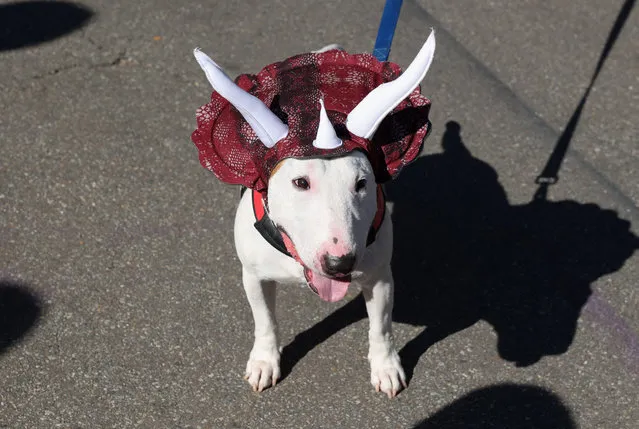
(315, 213)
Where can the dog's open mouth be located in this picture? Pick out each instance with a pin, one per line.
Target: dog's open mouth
(328, 288)
(331, 289)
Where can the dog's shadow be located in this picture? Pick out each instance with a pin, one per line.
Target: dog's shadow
(463, 253)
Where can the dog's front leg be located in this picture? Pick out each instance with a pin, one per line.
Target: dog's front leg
(263, 367)
(387, 374)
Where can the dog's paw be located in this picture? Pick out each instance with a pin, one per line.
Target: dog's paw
(263, 369)
(387, 374)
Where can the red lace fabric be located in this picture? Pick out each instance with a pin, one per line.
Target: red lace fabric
(292, 89)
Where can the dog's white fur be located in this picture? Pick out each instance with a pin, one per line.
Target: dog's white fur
(327, 224)
(331, 209)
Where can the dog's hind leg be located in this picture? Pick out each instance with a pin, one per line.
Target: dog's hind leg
(263, 367)
(387, 374)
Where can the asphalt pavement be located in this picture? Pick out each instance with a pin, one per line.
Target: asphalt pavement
(120, 296)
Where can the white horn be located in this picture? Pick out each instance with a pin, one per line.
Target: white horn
(326, 137)
(268, 127)
(367, 115)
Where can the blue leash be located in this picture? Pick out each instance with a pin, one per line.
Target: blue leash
(386, 31)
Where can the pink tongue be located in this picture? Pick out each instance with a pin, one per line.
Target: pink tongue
(330, 290)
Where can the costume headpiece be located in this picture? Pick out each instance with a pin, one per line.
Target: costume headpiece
(321, 104)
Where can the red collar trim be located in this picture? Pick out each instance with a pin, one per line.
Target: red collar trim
(379, 215)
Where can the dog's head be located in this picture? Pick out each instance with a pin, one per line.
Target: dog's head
(324, 208)
(318, 166)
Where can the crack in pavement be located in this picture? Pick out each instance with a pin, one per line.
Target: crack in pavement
(119, 59)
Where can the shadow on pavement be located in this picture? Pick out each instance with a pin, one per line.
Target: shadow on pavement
(30, 23)
(509, 406)
(20, 310)
(306, 341)
(549, 175)
(462, 253)
(524, 269)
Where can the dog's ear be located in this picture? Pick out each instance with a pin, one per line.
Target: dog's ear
(277, 167)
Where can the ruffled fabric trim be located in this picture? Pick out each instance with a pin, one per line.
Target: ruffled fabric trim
(292, 89)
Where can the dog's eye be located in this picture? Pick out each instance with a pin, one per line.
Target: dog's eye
(301, 183)
(360, 185)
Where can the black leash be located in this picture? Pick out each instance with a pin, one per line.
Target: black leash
(550, 173)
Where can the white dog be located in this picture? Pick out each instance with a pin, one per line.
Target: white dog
(323, 207)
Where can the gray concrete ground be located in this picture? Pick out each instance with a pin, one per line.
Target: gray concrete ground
(120, 296)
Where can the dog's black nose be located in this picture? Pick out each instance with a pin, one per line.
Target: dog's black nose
(339, 265)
